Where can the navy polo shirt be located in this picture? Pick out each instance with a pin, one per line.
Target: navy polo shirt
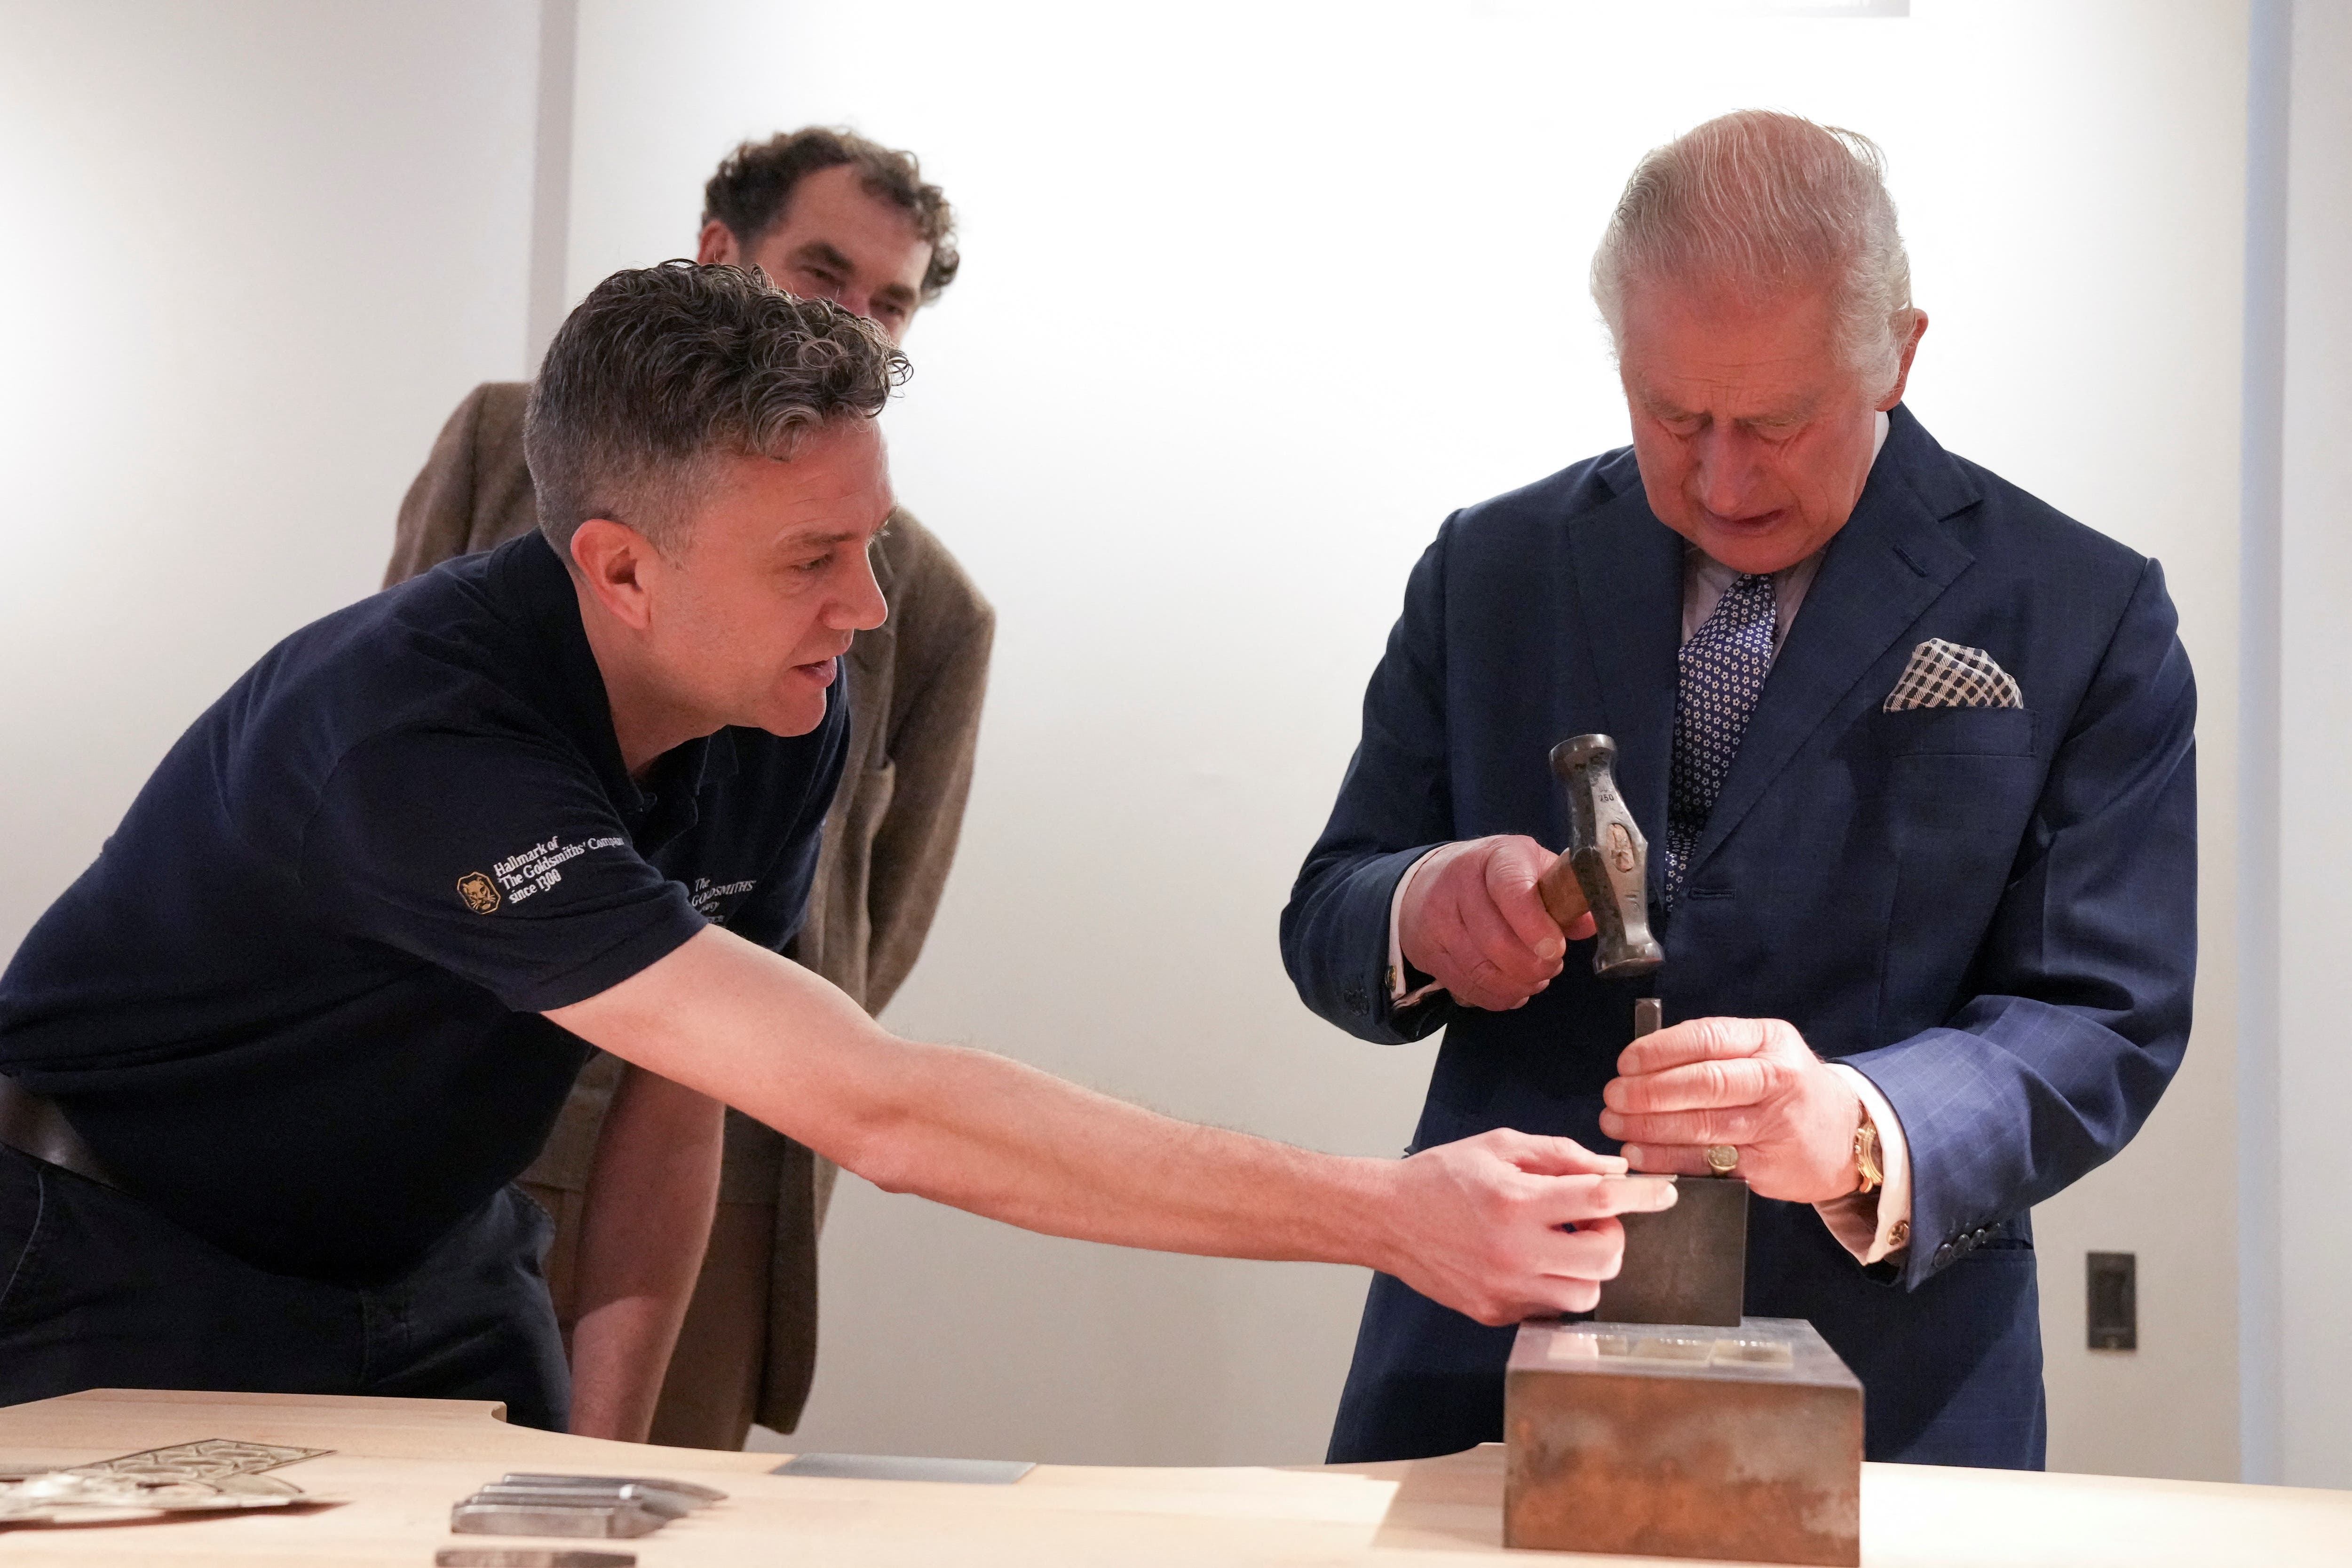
(295, 1003)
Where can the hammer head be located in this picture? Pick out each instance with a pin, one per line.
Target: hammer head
(1610, 856)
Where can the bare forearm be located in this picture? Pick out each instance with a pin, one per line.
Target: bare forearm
(1483, 1225)
(644, 1226)
(980, 1131)
(1003, 1140)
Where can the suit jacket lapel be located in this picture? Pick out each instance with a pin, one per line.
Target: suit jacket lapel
(1627, 567)
(1882, 570)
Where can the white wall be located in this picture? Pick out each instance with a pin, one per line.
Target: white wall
(250, 256)
(1254, 296)
(2313, 1390)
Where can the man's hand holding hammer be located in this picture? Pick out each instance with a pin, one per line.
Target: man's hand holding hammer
(1489, 919)
(1475, 919)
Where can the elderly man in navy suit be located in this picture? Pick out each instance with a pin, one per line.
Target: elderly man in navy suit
(1915, 756)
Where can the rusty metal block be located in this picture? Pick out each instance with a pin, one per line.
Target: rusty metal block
(1668, 1440)
(1687, 1263)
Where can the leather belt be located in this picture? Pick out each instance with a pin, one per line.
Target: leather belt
(33, 1124)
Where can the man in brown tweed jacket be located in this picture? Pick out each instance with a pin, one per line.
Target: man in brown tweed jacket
(825, 213)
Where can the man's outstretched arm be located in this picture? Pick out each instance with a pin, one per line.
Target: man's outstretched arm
(1472, 1225)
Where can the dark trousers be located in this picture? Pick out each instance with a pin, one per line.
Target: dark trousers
(97, 1291)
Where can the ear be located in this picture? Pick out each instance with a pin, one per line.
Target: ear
(717, 246)
(1902, 371)
(615, 562)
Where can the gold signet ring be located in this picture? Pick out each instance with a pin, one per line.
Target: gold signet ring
(1722, 1159)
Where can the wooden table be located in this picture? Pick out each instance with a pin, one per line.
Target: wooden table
(401, 1462)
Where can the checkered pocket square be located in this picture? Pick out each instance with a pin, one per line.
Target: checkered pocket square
(1946, 675)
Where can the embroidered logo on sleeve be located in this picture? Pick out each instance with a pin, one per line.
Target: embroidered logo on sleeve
(528, 874)
(706, 896)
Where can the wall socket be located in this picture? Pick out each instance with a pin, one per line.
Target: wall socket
(2114, 1302)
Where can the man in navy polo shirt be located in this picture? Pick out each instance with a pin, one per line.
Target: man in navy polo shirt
(273, 1061)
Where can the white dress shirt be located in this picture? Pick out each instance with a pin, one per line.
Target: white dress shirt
(1871, 1226)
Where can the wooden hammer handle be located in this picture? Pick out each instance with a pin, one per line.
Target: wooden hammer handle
(1563, 894)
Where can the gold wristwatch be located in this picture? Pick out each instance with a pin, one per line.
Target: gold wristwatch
(1865, 1154)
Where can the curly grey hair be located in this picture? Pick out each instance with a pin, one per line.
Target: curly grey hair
(663, 368)
(1766, 204)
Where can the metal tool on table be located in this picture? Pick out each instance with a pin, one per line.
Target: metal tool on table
(531, 1557)
(1671, 1425)
(521, 1504)
(700, 1496)
(905, 1468)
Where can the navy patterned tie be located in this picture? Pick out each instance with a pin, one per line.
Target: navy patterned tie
(1722, 669)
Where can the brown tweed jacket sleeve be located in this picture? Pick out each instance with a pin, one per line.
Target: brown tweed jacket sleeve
(473, 490)
(915, 690)
(948, 632)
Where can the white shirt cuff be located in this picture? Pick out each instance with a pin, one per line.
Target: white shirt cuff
(1874, 1225)
(1398, 997)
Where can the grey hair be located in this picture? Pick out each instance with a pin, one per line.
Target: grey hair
(662, 369)
(1765, 204)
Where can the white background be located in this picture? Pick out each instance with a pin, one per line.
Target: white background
(1253, 295)
(246, 253)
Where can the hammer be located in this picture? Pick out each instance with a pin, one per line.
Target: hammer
(1607, 862)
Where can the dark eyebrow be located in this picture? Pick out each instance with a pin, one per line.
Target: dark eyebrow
(823, 253)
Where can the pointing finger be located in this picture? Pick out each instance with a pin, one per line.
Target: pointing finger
(1558, 1157)
(1586, 1201)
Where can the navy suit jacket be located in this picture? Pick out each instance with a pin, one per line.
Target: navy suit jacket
(1989, 912)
